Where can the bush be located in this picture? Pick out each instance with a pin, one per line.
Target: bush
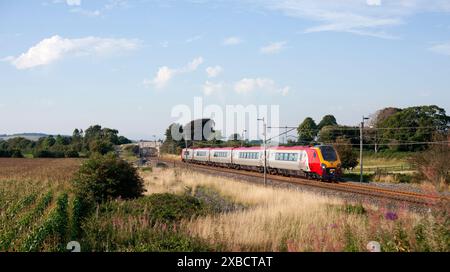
(170, 208)
(349, 158)
(433, 164)
(48, 154)
(105, 177)
(71, 154)
(16, 154)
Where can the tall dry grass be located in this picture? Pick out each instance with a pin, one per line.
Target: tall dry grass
(276, 219)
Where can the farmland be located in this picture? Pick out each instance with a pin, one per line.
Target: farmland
(189, 211)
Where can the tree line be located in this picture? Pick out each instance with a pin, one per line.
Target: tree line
(94, 139)
(393, 129)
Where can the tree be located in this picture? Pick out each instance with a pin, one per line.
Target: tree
(171, 145)
(328, 134)
(433, 164)
(327, 120)
(101, 146)
(380, 116)
(102, 178)
(414, 124)
(77, 140)
(199, 130)
(349, 158)
(307, 131)
(123, 140)
(234, 137)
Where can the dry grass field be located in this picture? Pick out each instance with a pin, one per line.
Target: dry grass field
(281, 219)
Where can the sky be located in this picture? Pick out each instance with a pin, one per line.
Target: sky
(126, 64)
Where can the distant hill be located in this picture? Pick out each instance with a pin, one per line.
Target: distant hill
(29, 136)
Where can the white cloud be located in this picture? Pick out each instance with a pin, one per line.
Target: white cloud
(441, 48)
(165, 74)
(232, 41)
(351, 16)
(248, 85)
(210, 88)
(373, 2)
(55, 48)
(273, 48)
(73, 2)
(214, 71)
(193, 65)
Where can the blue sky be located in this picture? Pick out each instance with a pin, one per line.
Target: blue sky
(126, 64)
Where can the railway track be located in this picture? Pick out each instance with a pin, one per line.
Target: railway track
(360, 189)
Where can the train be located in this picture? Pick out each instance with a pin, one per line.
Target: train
(320, 162)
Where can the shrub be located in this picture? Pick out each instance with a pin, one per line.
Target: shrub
(16, 154)
(170, 208)
(433, 164)
(71, 154)
(48, 154)
(104, 177)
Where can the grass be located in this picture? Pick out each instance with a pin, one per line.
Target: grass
(190, 211)
(286, 220)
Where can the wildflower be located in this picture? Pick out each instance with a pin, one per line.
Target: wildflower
(391, 216)
(334, 226)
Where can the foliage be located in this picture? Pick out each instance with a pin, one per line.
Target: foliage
(307, 131)
(104, 177)
(48, 154)
(173, 145)
(145, 224)
(170, 207)
(327, 120)
(421, 123)
(433, 164)
(94, 140)
(349, 158)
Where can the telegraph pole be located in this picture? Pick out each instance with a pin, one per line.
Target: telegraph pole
(265, 148)
(361, 143)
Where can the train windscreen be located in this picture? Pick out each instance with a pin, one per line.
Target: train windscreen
(328, 153)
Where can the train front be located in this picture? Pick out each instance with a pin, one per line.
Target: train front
(330, 162)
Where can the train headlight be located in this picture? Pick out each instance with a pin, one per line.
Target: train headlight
(324, 166)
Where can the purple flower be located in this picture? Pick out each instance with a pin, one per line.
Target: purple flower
(391, 216)
(333, 226)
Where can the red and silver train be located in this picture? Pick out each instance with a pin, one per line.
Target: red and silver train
(318, 162)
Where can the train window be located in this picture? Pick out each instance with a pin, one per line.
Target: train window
(315, 155)
(328, 153)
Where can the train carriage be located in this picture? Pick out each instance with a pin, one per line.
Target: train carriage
(187, 154)
(288, 160)
(248, 158)
(221, 156)
(201, 155)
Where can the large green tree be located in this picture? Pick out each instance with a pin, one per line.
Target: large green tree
(327, 120)
(307, 131)
(413, 125)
